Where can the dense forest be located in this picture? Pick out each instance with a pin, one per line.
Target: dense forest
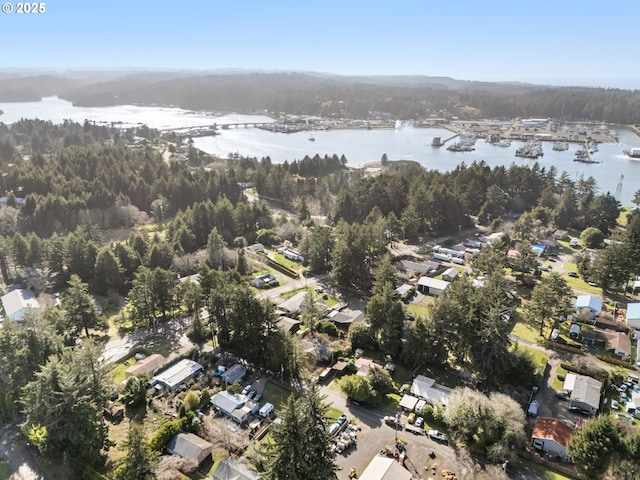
(411, 97)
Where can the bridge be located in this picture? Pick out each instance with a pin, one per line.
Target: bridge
(215, 126)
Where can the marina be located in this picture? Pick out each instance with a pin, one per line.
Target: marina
(361, 145)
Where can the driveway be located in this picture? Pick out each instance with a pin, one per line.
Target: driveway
(375, 435)
(21, 461)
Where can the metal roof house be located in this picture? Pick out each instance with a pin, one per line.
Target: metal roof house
(449, 274)
(427, 389)
(233, 373)
(178, 374)
(552, 437)
(633, 315)
(236, 407)
(17, 302)
(589, 303)
(585, 392)
(190, 446)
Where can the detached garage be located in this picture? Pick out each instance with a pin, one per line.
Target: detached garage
(432, 286)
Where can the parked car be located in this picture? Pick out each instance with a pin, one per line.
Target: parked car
(419, 422)
(624, 416)
(555, 334)
(573, 274)
(614, 405)
(257, 397)
(245, 390)
(562, 396)
(532, 411)
(578, 410)
(391, 421)
(437, 436)
(411, 418)
(624, 388)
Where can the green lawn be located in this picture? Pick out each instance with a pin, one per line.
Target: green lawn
(282, 260)
(275, 394)
(418, 310)
(5, 471)
(526, 331)
(333, 414)
(541, 470)
(579, 283)
(557, 383)
(117, 374)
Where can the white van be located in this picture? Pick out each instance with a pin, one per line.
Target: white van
(573, 242)
(555, 334)
(266, 410)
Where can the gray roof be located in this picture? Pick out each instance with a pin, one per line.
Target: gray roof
(228, 402)
(347, 316)
(233, 373)
(586, 390)
(17, 300)
(188, 445)
(179, 373)
(230, 469)
(433, 283)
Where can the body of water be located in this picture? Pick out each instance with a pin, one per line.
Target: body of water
(358, 146)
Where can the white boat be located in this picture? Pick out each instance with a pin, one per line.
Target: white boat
(560, 146)
(504, 143)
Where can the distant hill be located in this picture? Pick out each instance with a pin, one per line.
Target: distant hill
(329, 95)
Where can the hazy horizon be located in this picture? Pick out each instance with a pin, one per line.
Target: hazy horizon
(549, 43)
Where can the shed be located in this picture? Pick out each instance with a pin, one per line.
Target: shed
(589, 304)
(450, 274)
(408, 402)
(289, 325)
(17, 302)
(190, 446)
(385, 468)
(232, 469)
(432, 286)
(146, 365)
(633, 315)
(552, 437)
(178, 374)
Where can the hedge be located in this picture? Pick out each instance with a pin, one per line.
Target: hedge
(562, 346)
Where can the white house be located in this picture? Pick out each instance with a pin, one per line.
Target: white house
(589, 304)
(236, 407)
(17, 302)
(552, 437)
(633, 315)
(585, 392)
(427, 389)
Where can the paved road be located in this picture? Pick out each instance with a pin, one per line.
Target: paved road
(18, 455)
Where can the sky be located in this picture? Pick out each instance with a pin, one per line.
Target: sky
(556, 42)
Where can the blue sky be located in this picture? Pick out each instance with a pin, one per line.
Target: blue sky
(560, 42)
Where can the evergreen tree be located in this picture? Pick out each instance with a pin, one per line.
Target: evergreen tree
(139, 462)
(79, 306)
(108, 274)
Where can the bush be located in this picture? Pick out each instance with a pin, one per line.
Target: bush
(327, 327)
(167, 431)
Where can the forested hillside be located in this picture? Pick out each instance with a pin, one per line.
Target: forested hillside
(330, 95)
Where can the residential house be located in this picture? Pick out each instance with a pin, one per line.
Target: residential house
(427, 389)
(432, 286)
(190, 446)
(264, 280)
(552, 437)
(294, 306)
(232, 469)
(235, 406)
(618, 343)
(146, 365)
(588, 304)
(178, 374)
(316, 349)
(17, 302)
(255, 248)
(385, 468)
(233, 373)
(289, 325)
(585, 392)
(633, 315)
(346, 317)
(407, 268)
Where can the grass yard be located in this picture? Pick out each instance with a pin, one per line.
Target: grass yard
(333, 414)
(526, 331)
(579, 283)
(282, 260)
(5, 471)
(117, 374)
(275, 394)
(557, 383)
(541, 470)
